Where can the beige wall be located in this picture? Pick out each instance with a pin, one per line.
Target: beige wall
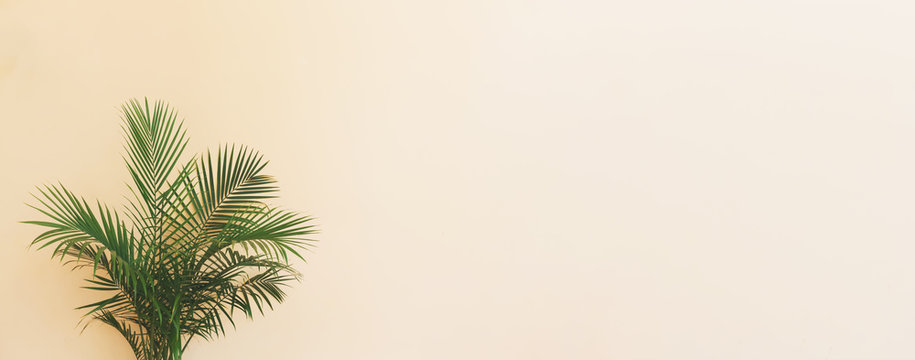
(502, 179)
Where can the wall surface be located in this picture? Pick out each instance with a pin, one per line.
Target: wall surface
(500, 179)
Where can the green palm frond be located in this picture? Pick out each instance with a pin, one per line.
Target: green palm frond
(197, 242)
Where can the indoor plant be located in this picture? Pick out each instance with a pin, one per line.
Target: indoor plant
(196, 242)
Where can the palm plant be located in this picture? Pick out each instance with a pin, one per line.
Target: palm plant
(196, 243)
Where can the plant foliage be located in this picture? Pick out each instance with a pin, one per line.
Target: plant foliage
(196, 243)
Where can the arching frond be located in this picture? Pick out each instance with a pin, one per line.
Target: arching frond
(197, 243)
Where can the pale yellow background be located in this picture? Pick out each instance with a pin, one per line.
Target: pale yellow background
(503, 179)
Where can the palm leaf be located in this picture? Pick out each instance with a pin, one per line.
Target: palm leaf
(196, 243)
